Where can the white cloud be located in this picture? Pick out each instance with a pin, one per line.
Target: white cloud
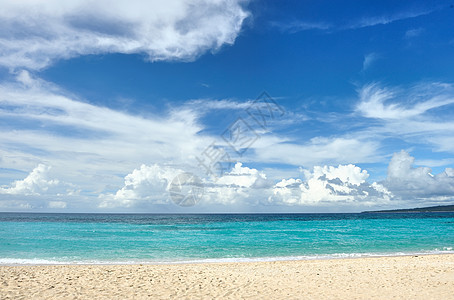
(318, 150)
(35, 33)
(367, 21)
(443, 140)
(15, 205)
(369, 59)
(387, 19)
(249, 187)
(41, 101)
(346, 173)
(205, 105)
(412, 33)
(149, 183)
(345, 184)
(387, 103)
(241, 176)
(57, 204)
(240, 186)
(36, 183)
(410, 183)
(435, 162)
(297, 26)
(419, 114)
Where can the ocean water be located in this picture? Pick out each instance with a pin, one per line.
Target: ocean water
(166, 238)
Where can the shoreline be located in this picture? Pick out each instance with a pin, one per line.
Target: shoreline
(341, 256)
(402, 277)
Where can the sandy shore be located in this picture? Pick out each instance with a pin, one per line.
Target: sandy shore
(406, 277)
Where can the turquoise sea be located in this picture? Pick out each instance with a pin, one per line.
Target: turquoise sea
(163, 238)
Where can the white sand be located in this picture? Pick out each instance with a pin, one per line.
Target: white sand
(406, 277)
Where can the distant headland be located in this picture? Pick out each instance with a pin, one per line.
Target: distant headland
(439, 208)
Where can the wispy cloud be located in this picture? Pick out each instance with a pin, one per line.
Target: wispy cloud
(36, 33)
(207, 105)
(369, 59)
(364, 22)
(394, 103)
(319, 150)
(297, 26)
(419, 114)
(412, 33)
(386, 19)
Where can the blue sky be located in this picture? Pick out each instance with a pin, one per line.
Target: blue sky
(103, 106)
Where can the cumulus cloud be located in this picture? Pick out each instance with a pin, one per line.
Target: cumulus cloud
(36, 183)
(148, 183)
(323, 186)
(328, 184)
(33, 34)
(151, 185)
(38, 190)
(244, 186)
(241, 176)
(409, 183)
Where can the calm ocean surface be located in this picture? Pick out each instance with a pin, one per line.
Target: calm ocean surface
(150, 238)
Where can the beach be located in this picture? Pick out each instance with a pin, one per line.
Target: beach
(398, 277)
